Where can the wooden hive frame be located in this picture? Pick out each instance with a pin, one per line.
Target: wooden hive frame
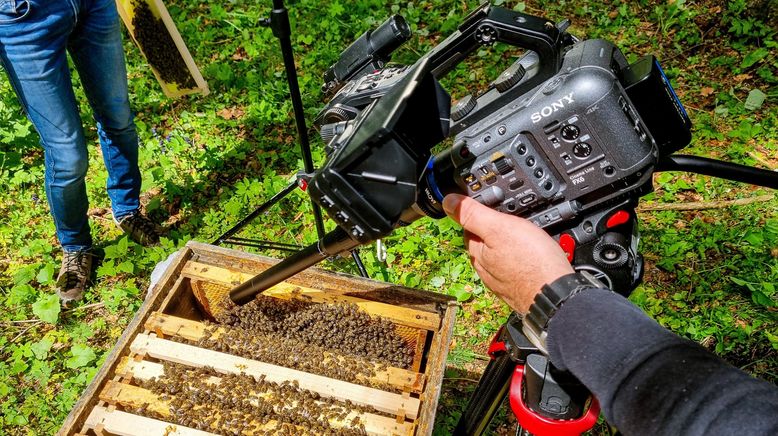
(424, 320)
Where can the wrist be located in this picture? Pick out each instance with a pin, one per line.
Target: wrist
(549, 300)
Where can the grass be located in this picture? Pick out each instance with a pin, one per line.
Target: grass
(207, 161)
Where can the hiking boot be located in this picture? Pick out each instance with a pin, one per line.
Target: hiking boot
(73, 275)
(141, 229)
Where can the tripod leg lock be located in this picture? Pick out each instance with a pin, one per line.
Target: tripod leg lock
(540, 425)
(278, 22)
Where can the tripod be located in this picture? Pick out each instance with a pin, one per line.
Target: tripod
(279, 23)
(547, 401)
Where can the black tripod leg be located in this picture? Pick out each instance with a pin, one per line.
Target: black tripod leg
(260, 210)
(487, 397)
(360, 265)
(279, 22)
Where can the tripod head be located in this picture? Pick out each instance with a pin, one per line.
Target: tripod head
(567, 137)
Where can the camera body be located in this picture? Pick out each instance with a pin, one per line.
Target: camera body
(573, 143)
(559, 138)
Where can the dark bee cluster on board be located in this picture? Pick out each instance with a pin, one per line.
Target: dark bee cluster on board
(341, 327)
(338, 341)
(235, 404)
(158, 46)
(291, 353)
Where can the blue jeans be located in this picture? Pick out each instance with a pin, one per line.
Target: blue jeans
(34, 38)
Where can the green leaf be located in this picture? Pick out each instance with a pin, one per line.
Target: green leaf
(20, 294)
(24, 275)
(47, 308)
(126, 266)
(437, 281)
(123, 245)
(81, 355)
(755, 99)
(106, 269)
(42, 347)
(773, 339)
(754, 238)
(46, 274)
(458, 291)
(754, 57)
(759, 297)
(110, 252)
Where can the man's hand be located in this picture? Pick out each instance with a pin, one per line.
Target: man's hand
(513, 257)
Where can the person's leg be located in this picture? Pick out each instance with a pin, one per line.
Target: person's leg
(96, 49)
(33, 37)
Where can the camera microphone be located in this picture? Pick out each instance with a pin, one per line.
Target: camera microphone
(370, 52)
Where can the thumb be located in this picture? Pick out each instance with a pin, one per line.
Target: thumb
(471, 215)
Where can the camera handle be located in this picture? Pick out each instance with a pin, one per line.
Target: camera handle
(487, 25)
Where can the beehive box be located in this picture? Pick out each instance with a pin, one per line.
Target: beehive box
(168, 341)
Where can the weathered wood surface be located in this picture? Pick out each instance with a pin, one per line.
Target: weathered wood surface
(127, 424)
(135, 397)
(435, 371)
(127, 12)
(165, 290)
(89, 398)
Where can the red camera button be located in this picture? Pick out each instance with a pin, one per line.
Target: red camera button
(568, 245)
(617, 219)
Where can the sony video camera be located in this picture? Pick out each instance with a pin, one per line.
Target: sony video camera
(567, 137)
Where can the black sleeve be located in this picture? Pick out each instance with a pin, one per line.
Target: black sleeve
(650, 381)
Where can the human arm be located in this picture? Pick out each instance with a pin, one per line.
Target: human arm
(648, 380)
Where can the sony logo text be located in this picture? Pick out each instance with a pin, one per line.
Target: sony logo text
(555, 106)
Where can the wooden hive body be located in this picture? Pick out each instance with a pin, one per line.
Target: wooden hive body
(169, 325)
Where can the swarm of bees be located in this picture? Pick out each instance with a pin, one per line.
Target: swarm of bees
(239, 404)
(341, 327)
(338, 341)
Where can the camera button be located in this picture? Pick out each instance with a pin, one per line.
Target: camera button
(570, 132)
(550, 127)
(582, 150)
